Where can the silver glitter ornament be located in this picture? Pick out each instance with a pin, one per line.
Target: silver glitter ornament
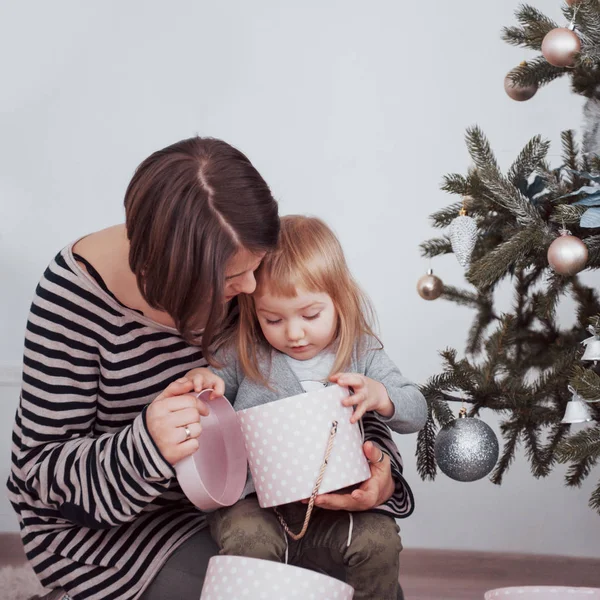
(463, 236)
(466, 449)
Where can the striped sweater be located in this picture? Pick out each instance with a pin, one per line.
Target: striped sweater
(100, 509)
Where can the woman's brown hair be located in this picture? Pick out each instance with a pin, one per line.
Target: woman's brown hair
(189, 208)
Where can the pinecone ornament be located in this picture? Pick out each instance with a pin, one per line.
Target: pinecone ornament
(463, 236)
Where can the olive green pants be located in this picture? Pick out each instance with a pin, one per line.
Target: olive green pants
(366, 545)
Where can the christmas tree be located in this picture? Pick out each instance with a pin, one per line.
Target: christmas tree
(521, 363)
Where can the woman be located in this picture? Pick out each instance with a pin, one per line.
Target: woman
(116, 317)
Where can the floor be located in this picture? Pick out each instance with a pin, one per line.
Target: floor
(447, 574)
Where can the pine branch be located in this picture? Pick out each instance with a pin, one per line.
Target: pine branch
(587, 22)
(577, 473)
(484, 317)
(583, 444)
(481, 151)
(455, 184)
(442, 218)
(495, 265)
(595, 499)
(534, 27)
(587, 302)
(536, 71)
(503, 193)
(586, 382)
(535, 454)
(461, 297)
(557, 435)
(555, 287)
(570, 149)
(426, 465)
(553, 379)
(593, 245)
(508, 453)
(436, 247)
(530, 158)
(567, 214)
(442, 412)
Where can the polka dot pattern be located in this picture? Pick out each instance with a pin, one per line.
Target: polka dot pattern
(286, 442)
(541, 592)
(229, 577)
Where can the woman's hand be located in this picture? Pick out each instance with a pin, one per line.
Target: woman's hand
(173, 420)
(368, 395)
(373, 492)
(203, 379)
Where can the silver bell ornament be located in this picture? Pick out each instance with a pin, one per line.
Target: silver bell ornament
(577, 410)
(466, 449)
(592, 346)
(463, 236)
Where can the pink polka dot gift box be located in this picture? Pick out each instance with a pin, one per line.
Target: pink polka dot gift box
(287, 441)
(215, 475)
(236, 577)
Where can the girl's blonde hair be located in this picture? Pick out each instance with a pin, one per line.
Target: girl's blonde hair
(308, 256)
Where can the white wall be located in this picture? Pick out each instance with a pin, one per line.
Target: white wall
(351, 110)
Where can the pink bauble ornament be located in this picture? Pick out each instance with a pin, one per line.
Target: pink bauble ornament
(567, 254)
(572, 2)
(518, 92)
(429, 286)
(560, 46)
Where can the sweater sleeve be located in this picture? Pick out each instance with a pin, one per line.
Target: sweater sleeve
(229, 371)
(401, 503)
(410, 406)
(93, 480)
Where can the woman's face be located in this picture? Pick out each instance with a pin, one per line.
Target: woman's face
(239, 278)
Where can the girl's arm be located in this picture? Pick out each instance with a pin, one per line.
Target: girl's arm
(409, 405)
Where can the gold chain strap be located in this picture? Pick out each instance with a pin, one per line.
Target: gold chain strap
(311, 502)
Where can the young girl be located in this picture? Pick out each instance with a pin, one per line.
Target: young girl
(308, 323)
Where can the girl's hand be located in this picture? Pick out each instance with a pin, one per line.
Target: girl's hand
(372, 493)
(368, 395)
(173, 420)
(203, 379)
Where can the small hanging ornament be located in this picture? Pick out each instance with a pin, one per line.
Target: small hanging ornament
(517, 91)
(592, 346)
(466, 449)
(567, 254)
(463, 235)
(577, 410)
(561, 45)
(429, 286)
(572, 2)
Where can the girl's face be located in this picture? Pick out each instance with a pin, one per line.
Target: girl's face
(301, 326)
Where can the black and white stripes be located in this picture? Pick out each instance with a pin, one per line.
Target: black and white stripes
(99, 508)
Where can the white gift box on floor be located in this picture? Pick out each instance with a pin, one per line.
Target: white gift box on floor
(236, 577)
(544, 592)
(286, 443)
